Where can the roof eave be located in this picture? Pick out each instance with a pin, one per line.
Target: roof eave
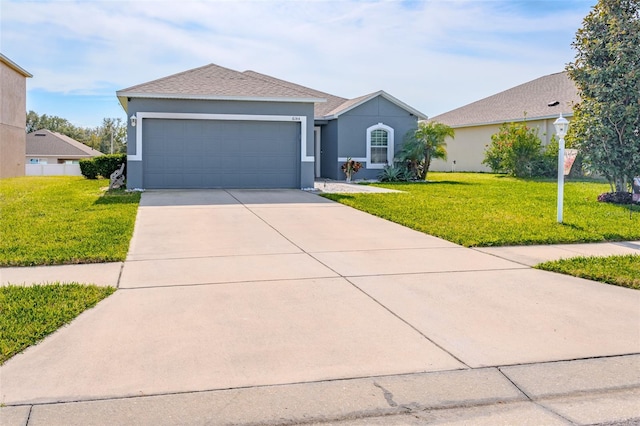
(17, 68)
(510, 120)
(123, 97)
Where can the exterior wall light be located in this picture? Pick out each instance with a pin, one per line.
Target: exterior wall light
(134, 120)
(561, 125)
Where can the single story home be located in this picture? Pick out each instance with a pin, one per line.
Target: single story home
(213, 127)
(538, 102)
(47, 147)
(13, 117)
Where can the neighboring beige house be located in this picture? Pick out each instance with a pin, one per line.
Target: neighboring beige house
(13, 117)
(47, 147)
(541, 100)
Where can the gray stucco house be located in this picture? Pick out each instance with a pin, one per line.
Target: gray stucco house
(213, 127)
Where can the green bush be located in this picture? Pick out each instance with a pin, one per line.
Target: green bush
(102, 165)
(109, 163)
(88, 168)
(395, 173)
(516, 150)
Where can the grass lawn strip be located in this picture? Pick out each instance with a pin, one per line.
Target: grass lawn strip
(29, 314)
(621, 270)
(477, 210)
(64, 220)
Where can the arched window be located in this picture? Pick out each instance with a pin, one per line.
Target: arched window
(379, 146)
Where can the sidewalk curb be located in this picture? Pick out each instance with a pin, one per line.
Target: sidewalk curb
(603, 385)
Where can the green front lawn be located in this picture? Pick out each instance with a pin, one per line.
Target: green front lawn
(29, 314)
(618, 270)
(62, 220)
(495, 210)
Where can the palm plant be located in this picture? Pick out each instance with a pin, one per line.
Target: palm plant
(424, 144)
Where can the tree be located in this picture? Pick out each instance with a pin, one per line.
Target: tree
(424, 144)
(606, 70)
(112, 130)
(53, 123)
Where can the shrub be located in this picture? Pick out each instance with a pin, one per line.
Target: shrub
(109, 163)
(546, 165)
(516, 150)
(395, 174)
(88, 168)
(102, 165)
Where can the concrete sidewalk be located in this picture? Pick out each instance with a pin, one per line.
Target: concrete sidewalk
(533, 255)
(281, 307)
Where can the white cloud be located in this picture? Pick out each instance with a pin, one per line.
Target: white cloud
(434, 55)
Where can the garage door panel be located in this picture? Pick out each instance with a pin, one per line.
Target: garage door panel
(214, 154)
(193, 180)
(195, 162)
(194, 146)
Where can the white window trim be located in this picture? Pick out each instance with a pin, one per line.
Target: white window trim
(232, 117)
(390, 145)
(360, 159)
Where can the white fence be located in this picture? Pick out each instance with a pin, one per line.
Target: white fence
(52, 170)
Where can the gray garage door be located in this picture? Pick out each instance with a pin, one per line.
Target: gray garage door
(220, 154)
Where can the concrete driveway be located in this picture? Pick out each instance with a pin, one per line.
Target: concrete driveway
(226, 289)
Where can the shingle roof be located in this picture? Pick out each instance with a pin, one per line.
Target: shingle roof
(533, 98)
(215, 82)
(47, 143)
(320, 108)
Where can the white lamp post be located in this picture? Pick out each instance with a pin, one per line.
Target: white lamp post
(562, 125)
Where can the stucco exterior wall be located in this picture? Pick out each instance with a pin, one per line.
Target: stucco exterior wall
(352, 132)
(135, 105)
(329, 156)
(13, 87)
(468, 147)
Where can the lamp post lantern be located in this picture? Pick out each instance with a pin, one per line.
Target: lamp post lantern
(562, 125)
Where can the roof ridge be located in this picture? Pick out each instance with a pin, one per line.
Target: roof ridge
(286, 84)
(189, 71)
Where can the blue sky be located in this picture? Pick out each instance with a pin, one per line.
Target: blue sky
(433, 55)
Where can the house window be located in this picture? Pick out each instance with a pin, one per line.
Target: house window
(379, 146)
(37, 161)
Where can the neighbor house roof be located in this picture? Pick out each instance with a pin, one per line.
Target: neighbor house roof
(544, 97)
(45, 143)
(14, 66)
(213, 82)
